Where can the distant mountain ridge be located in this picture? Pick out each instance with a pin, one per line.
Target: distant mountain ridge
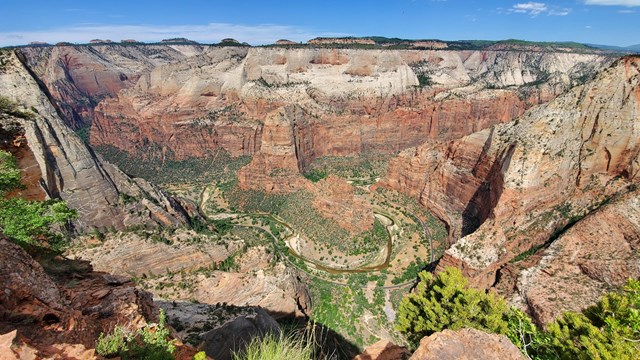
(632, 48)
(386, 42)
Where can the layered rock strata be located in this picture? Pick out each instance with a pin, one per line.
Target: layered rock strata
(516, 186)
(57, 164)
(350, 101)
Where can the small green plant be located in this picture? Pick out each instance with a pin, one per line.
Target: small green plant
(150, 342)
(200, 356)
(276, 347)
(110, 345)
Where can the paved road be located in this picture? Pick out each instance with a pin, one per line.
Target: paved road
(283, 256)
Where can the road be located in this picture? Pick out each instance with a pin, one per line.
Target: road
(204, 199)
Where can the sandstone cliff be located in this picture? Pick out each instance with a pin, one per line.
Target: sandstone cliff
(595, 256)
(515, 186)
(351, 101)
(57, 164)
(79, 77)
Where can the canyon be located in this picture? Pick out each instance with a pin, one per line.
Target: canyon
(525, 156)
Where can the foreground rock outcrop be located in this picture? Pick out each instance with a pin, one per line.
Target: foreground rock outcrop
(220, 330)
(58, 164)
(517, 186)
(63, 308)
(466, 344)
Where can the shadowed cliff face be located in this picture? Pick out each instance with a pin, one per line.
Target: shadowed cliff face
(57, 164)
(525, 183)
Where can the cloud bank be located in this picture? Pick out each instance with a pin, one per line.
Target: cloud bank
(208, 33)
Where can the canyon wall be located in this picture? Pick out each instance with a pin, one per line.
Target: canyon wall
(79, 77)
(520, 185)
(186, 103)
(57, 164)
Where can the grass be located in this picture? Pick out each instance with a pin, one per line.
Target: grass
(277, 347)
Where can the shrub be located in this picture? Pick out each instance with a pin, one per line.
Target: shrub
(445, 302)
(150, 342)
(200, 356)
(110, 345)
(24, 220)
(608, 330)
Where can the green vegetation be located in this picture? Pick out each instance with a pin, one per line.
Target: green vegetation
(9, 172)
(218, 166)
(25, 220)
(315, 175)
(557, 44)
(411, 272)
(200, 356)
(111, 344)
(277, 347)
(150, 342)
(83, 133)
(363, 166)
(10, 107)
(445, 302)
(608, 330)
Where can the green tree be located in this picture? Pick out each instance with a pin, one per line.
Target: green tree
(9, 173)
(608, 330)
(446, 302)
(25, 220)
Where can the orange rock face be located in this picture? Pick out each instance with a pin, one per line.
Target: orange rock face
(349, 101)
(78, 78)
(466, 344)
(507, 189)
(334, 198)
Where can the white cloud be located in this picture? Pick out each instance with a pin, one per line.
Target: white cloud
(559, 12)
(531, 8)
(208, 33)
(536, 8)
(627, 11)
(613, 2)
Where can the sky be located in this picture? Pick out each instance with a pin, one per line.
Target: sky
(608, 22)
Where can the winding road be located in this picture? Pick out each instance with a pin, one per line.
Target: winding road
(204, 198)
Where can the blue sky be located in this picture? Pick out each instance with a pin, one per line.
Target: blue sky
(612, 22)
